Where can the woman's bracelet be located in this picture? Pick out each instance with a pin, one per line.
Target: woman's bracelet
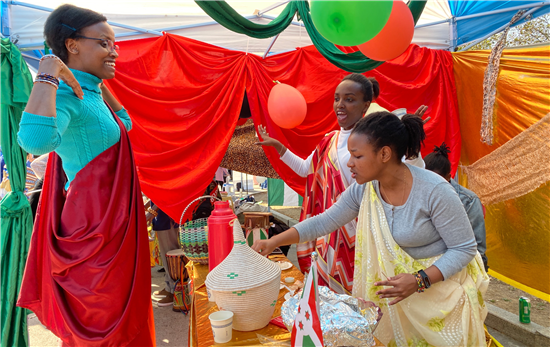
(47, 82)
(47, 79)
(419, 282)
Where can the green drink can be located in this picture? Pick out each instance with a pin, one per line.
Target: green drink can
(524, 310)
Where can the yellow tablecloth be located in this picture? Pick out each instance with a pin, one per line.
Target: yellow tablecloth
(200, 332)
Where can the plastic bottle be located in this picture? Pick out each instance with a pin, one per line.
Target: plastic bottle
(220, 233)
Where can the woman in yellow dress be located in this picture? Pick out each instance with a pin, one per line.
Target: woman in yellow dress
(415, 254)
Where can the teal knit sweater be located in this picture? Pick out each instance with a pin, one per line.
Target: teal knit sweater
(81, 130)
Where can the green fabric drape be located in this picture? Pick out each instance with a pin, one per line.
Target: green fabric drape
(351, 62)
(222, 13)
(15, 214)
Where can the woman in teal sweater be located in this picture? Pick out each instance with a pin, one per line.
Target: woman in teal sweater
(74, 120)
(87, 276)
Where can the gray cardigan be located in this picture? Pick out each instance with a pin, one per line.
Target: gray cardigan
(474, 211)
(431, 222)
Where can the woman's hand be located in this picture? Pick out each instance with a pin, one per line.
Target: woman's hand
(288, 237)
(42, 99)
(403, 286)
(421, 110)
(266, 139)
(54, 66)
(269, 141)
(264, 247)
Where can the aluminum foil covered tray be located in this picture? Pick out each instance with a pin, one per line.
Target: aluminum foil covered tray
(345, 320)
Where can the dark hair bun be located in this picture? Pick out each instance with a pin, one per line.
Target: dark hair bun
(438, 161)
(443, 150)
(375, 87)
(404, 136)
(415, 129)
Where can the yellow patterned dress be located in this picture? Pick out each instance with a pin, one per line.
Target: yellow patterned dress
(449, 313)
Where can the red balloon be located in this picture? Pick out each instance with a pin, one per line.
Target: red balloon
(394, 38)
(287, 106)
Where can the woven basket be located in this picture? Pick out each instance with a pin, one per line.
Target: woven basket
(194, 236)
(246, 284)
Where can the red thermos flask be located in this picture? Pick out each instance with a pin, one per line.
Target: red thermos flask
(220, 233)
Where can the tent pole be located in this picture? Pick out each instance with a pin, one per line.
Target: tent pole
(24, 4)
(269, 8)
(30, 57)
(6, 19)
(293, 22)
(180, 27)
(498, 30)
(452, 34)
(242, 187)
(270, 46)
(432, 23)
(145, 31)
(538, 4)
(531, 5)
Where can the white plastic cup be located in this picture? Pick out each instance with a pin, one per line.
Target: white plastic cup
(222, 326)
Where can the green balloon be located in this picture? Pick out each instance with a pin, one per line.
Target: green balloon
(350, 23)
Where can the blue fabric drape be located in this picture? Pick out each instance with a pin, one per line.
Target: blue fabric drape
(475, 28)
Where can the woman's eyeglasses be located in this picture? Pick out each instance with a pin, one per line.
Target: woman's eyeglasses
(105, 43)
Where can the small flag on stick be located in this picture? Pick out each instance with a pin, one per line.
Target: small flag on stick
(306, 331)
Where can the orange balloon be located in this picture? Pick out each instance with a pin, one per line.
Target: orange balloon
(394, 38)
(287, 106)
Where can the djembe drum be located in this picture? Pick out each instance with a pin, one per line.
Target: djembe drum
(176, 261)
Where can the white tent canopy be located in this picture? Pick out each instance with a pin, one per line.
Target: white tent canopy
(132, 19)
(183, 18)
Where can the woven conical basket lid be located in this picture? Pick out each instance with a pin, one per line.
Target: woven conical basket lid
(243, 268)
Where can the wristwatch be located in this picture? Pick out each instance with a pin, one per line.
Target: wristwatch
(425, 278)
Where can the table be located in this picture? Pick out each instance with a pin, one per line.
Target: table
(200, 332)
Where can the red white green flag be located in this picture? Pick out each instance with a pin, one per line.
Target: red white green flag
(306, 331)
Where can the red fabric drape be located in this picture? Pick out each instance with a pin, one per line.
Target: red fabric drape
(87, 276)
(184, 98)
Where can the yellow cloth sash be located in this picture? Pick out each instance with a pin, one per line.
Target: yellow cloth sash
(449, 313)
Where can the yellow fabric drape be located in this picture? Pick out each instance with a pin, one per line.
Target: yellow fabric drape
(518, 230)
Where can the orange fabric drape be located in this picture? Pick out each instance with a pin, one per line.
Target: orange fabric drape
(518, 230)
